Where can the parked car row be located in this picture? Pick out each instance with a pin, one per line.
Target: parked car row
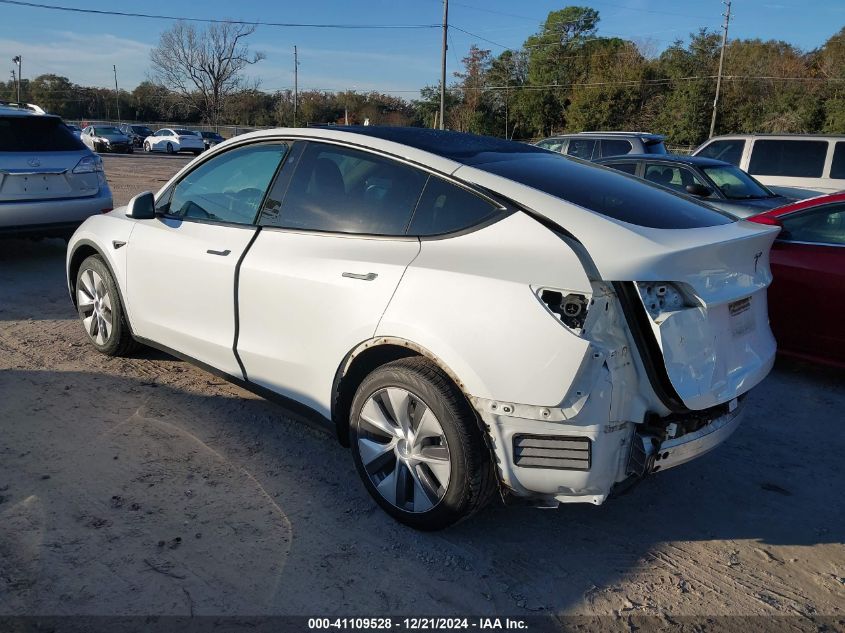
(791, 165)
(127, 137)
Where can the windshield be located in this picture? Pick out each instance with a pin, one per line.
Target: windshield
(185, 133)
(141, 130)
(735, 184)
(106, 130)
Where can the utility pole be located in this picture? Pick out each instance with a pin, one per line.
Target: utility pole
(116, 93)
(443, 65)
(295, 83)
(17, 60)
(15, 81)
(727, 15)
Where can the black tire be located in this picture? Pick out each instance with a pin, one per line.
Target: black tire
(119, 341)
(170, 148)
(472, 480)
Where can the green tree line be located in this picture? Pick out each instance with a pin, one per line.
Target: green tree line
(565, 78)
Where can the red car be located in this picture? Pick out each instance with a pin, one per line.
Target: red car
(807, 296)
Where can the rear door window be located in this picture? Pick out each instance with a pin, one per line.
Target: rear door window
(628, 168)
(581, 148)
(615, 147)
(446, 208)
(797, 159)
(837, 167)
(37, 134)
(344, 190)
(728, 150)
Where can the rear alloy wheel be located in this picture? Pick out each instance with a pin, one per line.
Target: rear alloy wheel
(100, 310)
(417, 446)
(169, 148)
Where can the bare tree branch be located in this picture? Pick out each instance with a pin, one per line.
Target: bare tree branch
(204, 67)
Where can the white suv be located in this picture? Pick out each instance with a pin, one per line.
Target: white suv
(470, 314)
(49, 181)
(795, 165)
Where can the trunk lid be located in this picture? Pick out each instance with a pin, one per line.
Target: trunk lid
(26, 176)
(37, 156)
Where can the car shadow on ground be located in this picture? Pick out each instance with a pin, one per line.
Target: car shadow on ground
(271, 518)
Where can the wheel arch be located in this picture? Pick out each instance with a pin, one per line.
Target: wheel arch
(82, 250)
(361, 361)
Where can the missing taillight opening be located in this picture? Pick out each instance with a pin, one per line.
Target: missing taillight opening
(571, 308)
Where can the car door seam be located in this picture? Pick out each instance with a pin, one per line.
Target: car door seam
(398, 283)
(237, 303)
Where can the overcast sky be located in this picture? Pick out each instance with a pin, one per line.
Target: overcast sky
(83, 47)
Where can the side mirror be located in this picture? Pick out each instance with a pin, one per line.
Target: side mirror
(142, 207)
(696, 189)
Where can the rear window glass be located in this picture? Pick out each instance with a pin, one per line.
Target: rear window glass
(798, 159)
(837, 168)
(185, 132)
(606, 191)
(729, 150)
(36, 134)
(445, 208)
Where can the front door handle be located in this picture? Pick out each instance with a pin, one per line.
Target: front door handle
(221, 253)
(361, 276)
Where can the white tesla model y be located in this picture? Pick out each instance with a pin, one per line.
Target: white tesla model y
(472, 315)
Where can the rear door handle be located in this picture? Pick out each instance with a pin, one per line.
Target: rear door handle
(361, 276)
(221, 253)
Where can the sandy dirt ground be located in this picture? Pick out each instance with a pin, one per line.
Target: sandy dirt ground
(147, 486)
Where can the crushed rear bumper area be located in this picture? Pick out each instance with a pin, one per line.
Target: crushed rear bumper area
(554, 461)
(651, 452)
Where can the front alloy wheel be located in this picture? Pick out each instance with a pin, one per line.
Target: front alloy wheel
(95, 306)
(100, 309)
(417, 445)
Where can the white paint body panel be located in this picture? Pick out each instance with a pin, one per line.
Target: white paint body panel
(300, 316)
(470, 302)
(181, 295)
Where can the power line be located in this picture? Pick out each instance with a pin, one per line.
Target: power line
(55, 7)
